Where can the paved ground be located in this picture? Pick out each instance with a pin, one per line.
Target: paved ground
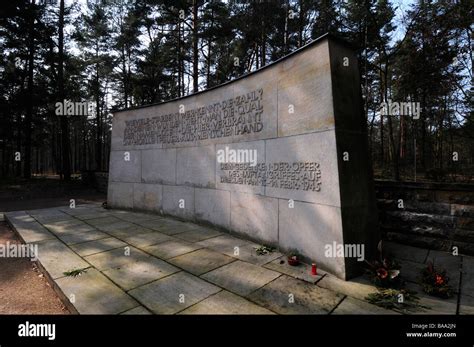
(140, 263)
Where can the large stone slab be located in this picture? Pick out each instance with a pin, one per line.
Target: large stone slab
(120, 194)
(240, 277)
(213, 206)
(173, 293)
(198, 234)
(135, 274)
(178, 201)
(97, 246)
(201, 261)
(147, 197)
(93, 293)
(79, 237)
(226, 303)
(125, 166)
(103, 221)
(358, 288)
(32, 232)
(159, 166)
(308, 228)
(128, 231)
(257, 147)
(224, 244)
(301, 82)
(196, 166)
(287, 295)
(146, 239)
(254, 216)
(139, 310)
(69, 226)
(116, 257)
(302, 118)
(248, 253)
(57, 258)
(301, 271)
(353, 306)
(115, 226)
(435, 306)
(169, 226)
(296, 149)
(171, 249)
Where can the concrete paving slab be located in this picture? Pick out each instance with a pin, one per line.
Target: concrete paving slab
(436, 305)
(79, 237)
(97, 246)
(287, 295)
(198, 234)
(125, 232)
(147, 239)
(354, 306)
(225, 302)
(357, 288)
(201, 261)
(115, 226)
(93, 293)
(53, 218)
(172, 227)
(174, 293)
(91, 215)
(223, 243)
(102, 221)
(171, 249)
(19, 217)
(135, 274)
(249, 254)
(33, 232)
(69, 226)
(140, 310)
(301, 271)
(57, 258)
(240, 277)
(137, 217)
(116, 257)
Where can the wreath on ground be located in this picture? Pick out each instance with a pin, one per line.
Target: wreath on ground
(435, 282)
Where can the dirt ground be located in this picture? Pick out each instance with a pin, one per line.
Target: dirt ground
(23, 289)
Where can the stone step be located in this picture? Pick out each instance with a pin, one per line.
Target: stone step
(454, 193)
(422, 230)
(420, 241)
(433, 243)
(418, 219)
(457, 234)
(458, 210)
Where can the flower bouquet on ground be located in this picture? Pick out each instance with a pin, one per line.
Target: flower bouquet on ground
(435, 282)
(403, 300)
(384, 272)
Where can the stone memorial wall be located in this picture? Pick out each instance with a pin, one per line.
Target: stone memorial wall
(278, 156)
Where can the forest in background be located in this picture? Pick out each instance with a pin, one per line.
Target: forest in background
(119, 54)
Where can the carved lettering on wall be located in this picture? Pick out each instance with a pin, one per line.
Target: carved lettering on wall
(284, 175)
(232, 117)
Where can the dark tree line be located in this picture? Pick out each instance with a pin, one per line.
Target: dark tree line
(119, 53)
